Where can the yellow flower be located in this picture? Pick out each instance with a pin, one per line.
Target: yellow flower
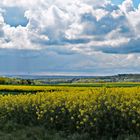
(134, 121)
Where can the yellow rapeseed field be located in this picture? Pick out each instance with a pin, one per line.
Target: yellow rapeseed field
(99, 111)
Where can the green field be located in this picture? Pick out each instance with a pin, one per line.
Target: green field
(103, 84)
(70, 112)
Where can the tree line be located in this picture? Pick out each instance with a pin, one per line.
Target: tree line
(16, 81)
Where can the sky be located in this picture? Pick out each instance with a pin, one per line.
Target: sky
(69, 37)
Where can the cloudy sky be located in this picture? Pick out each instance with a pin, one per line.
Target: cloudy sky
(69, 37)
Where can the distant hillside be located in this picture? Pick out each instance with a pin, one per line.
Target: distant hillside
(120, 78)
(42, 80)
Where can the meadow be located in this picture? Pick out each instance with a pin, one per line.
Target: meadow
(104, 111)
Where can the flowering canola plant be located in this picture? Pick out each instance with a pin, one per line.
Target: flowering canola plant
(99, 111)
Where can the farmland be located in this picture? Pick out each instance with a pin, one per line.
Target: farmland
(110, 110)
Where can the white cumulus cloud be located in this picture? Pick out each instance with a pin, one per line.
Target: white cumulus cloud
(93, 29)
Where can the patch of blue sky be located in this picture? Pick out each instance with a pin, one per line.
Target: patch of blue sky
(135, 2)
(14, 16)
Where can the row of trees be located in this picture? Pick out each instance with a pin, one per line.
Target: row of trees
(14, 81)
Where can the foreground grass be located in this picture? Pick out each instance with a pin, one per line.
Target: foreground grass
(16, 132)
